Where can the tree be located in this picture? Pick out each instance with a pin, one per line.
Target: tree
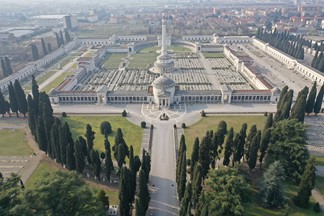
(139, 208)
(61, 38)
(58, 40)
(109, 166)
(8, 108)
(53, 191)
(49, 47)
(44, 47)
(311, 99)
(182, 177)
(272, 194)
(40, 135)
(132, 171)
(103, 198)
(186, 201)
(196, 184)
(146, 164)
(204, 155)
(67, 36)
(265, 140)
(105, 128)
(3, 67)
(251, 135)
(143, 192)
(90, 136)
(35, 93)
(124, 189)
(13, 99)
(8, 65)
(253, 155)
(286, 105)
(21, 98)
(228, 147)
(79, 156)
(121, 155)
(319, 101)
(34, 51)
(289, 131)
(225, 192)
(182, 148)
(222, 127)
(269, 122)
(306, 184)
(2, 105)
(299, 108)
(194, 157)
(282, 95)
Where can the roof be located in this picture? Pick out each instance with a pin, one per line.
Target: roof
(163, 82)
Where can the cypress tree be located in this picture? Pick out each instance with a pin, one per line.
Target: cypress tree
(56, 144)
(314, 58)
(79, 157)
(286, 105)
(242, 142)
(183, 176)
(311, 99)
(320, 66)
(236, 149)
(182, 148)
(63, 143)
(8, 108)
(132, 171)
(204, 156)
(146, 164)
(124, 198)
(318, 60)
(251, 135)
(3, 67)
(253, 153)
(47, 114)
(40, 135)
(67, 36)
(265, 140)
(228, 147)
(186, 201)
(269, 122)
(31, 114)
(196, 183)
(8, 66)
(13, 99)
(21, 98)
(194, 157)
(49, 47)
(139, 208)
(34, 51)
(143, 192)
(121, 155)
(282, 95)
(83, 143)
(2, 105)
(44, 47)
(306, 184)
(299, 108)
(58, 41)
(319, 100)
(70, 159)
(109, 166)
(90, 137)
(35, 93)
(214, 150)
(52, 143)
(61, 38)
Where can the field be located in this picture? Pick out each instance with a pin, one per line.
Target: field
(57, 81)
(113, 60)
(141, 60)
(107, 30)
(132, 133)
(173, 48)
(40, 79)
(48, 165)
(213, 55)
(211, 123)
(13, 143)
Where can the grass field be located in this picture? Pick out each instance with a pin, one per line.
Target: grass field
(57, 81)
(173, 48)
(213, 55)
(132, 133)
(211, 123)
(319, 161)
(45, 167)
(319, 184)
(40, 79)
(13, 143)
(113, 60)
(141, 60)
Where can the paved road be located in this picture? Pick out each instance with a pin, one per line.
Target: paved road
(164, 200)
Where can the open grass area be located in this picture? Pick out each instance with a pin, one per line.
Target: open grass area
(57, 81)
(141, 60)
(213, 55)
(211, 123)
(173, 48)
(66, 60)
(47, 166)
(132, 133)
(319, 184)
(113, 60)
(14, 143)
(319, 160)
(107, 30)
(40, 79)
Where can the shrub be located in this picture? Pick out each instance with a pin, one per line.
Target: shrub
(183, 125)
(203, 114)
(143, 124)
(105, 128)
(317, 208)
(64, 114)
(265, 113)
(174, 126)
(124, 113)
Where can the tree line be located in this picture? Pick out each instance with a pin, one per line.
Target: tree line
(281, 144)
(289, 44)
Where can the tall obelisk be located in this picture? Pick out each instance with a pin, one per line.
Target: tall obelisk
(164, 49)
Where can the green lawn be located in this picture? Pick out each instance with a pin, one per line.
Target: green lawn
(213, 55)
(45, 167)
(132, 133)
(141, 60)
(13, 143)
(319, 160)
(40, 79)
(319, 184)
(113, 60)
(211, 123)
(173, 48)
(57, 81)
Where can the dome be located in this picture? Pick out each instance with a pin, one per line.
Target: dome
(163, 82)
